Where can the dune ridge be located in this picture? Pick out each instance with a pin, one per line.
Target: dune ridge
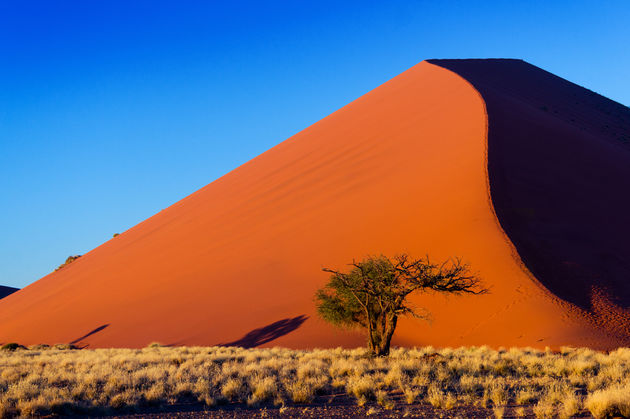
(408, 167)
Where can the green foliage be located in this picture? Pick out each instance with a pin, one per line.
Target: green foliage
(373, 294)
(340, 301)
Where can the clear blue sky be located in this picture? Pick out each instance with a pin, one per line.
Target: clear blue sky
(113, 110)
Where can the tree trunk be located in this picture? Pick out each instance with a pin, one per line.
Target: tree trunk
(382, 349)
(370, 344)
(381, 327)
(375, 336)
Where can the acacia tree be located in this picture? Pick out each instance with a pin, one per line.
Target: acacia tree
(374, 293)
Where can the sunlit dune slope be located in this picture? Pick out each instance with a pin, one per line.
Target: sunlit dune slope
(403, 168)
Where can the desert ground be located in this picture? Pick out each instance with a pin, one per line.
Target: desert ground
(235, 382)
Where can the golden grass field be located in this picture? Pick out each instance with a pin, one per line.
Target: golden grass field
(514, 382)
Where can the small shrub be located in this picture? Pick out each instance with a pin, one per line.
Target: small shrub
(440, 400)
(361, 387)
(525, 397)
(372, 411)
(232, 389)
(155, 345)
(207, 400)
(263, 389)
(300, 392)
(450, 401)
(155, 393)
(499, 412)
(12, 346)
(610, 402)
(383, 399)
(64, 346)
(39, 347)
(435, 397)
(499, 395)
(68, 261)
(411, 395)
(520, 412)
(544, 410)
(570, 406)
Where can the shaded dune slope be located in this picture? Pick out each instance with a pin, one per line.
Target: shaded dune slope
(559, 170)
(403, 168)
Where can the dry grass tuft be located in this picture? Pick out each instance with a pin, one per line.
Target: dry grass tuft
(610, 402)
(571, 406)
(300, 392)
(544, 410)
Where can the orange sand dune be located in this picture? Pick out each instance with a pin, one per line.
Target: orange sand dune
(402, 168)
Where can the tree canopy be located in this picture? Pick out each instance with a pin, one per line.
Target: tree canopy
(375, 291)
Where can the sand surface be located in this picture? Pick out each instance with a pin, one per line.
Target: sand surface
(401, 169)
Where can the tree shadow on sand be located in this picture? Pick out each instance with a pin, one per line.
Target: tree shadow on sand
(98, 329)
(268, 333)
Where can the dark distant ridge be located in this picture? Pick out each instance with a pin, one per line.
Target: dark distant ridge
(4, 291)
(559, 172)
